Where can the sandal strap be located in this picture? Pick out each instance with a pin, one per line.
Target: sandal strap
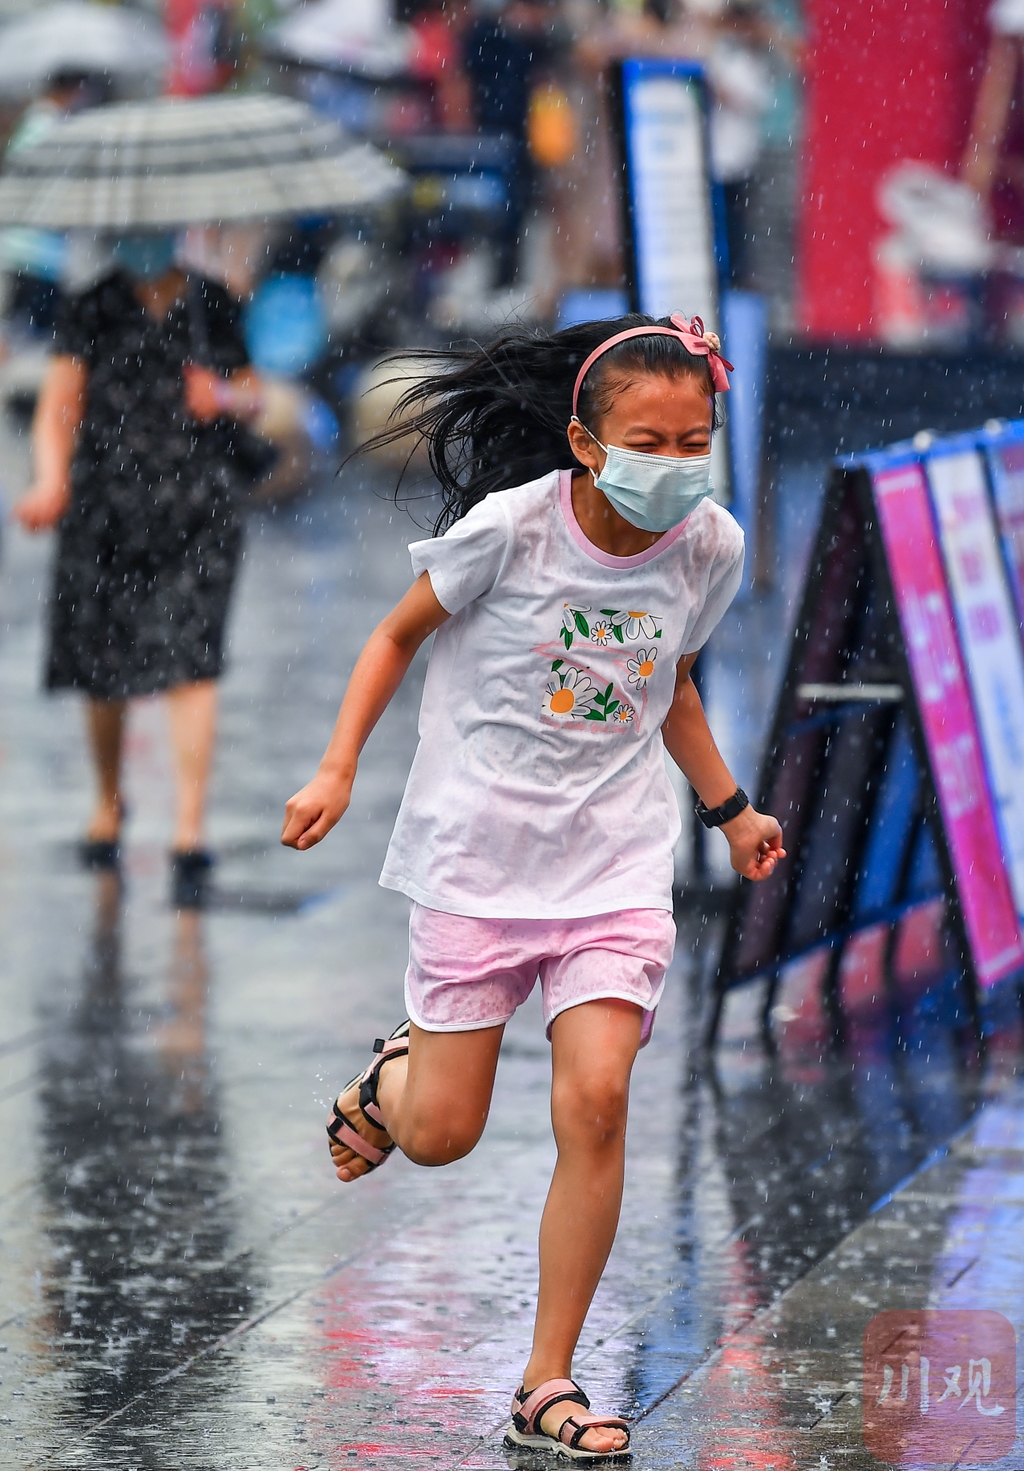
(578, 1425)
(528, 1409)
(339, 1126)
(397, 1045)
(400, 1034)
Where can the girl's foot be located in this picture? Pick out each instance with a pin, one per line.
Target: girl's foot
(554, 1416)
(348, 1164)
(358, 1140)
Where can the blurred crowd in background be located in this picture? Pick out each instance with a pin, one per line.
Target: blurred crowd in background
(868, 165)
(497, 111)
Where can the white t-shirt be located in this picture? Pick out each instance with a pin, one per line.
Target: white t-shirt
(539, 788)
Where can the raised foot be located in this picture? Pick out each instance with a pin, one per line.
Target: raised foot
(348, 1163)
(359, 1141)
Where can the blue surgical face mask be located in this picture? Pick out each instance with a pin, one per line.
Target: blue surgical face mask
(653, 492)
(145, 256)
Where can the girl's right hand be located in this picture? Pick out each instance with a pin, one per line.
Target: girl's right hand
(311, 813)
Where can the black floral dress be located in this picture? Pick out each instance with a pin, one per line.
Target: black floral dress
(148, 549)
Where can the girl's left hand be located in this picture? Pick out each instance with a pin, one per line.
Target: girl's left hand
(755, 844)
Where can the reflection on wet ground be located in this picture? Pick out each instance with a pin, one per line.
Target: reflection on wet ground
(141, 1272)
(785, 1391)
(182, 1281)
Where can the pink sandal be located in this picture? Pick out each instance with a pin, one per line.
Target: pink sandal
(342, 1130)
(528, 1409)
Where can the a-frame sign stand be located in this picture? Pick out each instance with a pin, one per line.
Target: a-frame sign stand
(881, 757)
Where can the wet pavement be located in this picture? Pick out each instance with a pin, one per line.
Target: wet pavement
(183, 1283)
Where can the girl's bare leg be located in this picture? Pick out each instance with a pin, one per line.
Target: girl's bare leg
(432, 1120)
(435, 1122)
(593, 1049)
(105, 722)
(192, 712)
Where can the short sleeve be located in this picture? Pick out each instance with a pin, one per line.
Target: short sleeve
(227, 347)
(465, 563)
(723, 585)
(77, 327)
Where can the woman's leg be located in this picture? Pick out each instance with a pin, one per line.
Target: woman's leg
(432, 1119)
(593, 1047)
(192, 711)
(105, 722)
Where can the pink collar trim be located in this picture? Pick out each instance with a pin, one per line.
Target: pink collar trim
(595, 553)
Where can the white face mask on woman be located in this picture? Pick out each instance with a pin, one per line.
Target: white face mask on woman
(652, 492)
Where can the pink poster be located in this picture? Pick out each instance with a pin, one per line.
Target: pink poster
(943, 698)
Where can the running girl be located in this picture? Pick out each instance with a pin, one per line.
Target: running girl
(582, 565)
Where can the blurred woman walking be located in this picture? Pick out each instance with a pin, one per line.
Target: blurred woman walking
(134, 439)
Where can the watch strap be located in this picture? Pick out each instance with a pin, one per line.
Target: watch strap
(716, 816)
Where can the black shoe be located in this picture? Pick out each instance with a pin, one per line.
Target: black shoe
(190, 878)
(96, 853)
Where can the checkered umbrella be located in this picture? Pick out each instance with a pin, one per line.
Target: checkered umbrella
(209, 160)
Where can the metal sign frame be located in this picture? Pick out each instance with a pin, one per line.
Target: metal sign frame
(850, 680)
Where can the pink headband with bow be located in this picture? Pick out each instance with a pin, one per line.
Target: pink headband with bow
(691, 334)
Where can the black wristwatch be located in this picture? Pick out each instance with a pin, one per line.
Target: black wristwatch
(715, 816)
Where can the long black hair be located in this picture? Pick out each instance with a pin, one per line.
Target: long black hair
(495, 416)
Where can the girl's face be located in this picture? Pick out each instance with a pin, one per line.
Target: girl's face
(651, 414)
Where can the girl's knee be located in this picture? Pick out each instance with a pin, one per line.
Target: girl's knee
(432, 1144)
(593, 1108)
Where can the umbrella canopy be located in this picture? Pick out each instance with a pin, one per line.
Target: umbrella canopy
(354, 35)
(183, 161)
(77, 36)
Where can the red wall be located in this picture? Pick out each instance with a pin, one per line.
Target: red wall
(190, 26)
(886, 80)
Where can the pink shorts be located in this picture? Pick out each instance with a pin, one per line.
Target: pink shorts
(467, 973)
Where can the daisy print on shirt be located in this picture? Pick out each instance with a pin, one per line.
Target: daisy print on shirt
(575, 693)
(607, 626)
(641, 667)
(578, 694)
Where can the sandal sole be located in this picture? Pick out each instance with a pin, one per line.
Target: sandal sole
(516, 1441)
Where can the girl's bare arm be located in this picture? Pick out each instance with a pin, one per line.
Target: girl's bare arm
(380, 668)
(755, 840)
(58, 418)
